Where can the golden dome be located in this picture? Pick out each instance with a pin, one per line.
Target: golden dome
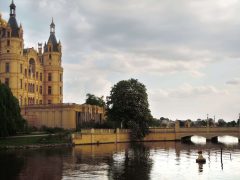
(2, 21)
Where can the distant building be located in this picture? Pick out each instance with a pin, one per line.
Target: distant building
(35, 77)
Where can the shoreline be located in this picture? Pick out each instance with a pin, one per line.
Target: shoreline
(35, 146)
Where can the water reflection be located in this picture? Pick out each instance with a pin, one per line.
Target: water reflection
(156, 160)
(200, 167)
(136, 159)
(10, 165)
(228, 140)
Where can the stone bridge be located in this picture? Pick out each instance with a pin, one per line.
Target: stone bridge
(210, 133)
(156, 134)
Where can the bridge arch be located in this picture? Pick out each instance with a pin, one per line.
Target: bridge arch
(188, 139)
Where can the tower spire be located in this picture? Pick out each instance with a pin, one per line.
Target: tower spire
(52, 27)
(12, 9)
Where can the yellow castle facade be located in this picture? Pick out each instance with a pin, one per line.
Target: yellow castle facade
(35, 78)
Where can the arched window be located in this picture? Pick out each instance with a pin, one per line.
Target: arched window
(32, 67)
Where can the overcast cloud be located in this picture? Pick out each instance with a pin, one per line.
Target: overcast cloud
(186, 52)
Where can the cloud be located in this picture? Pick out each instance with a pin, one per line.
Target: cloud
(178, 49)
(187, 91)
(234, 81)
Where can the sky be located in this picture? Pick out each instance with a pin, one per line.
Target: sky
(186, 52)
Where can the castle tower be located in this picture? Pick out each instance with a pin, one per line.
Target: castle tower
(11, 51)
(53, 71)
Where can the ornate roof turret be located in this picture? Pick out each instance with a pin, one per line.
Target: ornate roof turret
(12, 9)
(12, 20)
(52, 40)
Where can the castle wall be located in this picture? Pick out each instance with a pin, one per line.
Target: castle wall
(61, 115)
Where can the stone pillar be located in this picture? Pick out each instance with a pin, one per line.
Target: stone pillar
(117, 135)
(177, 126)
(177, 129)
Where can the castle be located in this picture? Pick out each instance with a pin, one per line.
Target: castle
(35, 78)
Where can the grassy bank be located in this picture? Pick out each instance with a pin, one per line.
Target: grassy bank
(40, 140)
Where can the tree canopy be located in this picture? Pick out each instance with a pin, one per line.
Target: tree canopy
(94, 100)
(128, 106)
(11, 120)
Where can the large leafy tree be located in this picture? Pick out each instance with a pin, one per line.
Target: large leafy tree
(128, 106)
(11, 120)
(94, 100)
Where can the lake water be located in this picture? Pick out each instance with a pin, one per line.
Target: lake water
(156, 160)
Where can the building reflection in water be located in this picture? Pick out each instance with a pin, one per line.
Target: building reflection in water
(32, 164)
(135, 164)
(10, 165)
(152, 160)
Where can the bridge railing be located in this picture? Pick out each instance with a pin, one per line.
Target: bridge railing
(162, 130)
(209, 129)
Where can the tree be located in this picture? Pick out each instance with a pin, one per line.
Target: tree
(128, 106)
(221, 123)
(94, 100)
(231, 124)
(11, 120)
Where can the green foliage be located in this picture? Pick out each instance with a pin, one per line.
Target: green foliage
(200, 123)
(232, 124)
(128, 106)
(94, 100)
(61, 137)
(222, 123)
(11, 120)
(50, 130)
(154, 123)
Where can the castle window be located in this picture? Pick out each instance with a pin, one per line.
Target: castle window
(8, 42)
(8, 51)
(20, 83)
(7, 67)
(49, 102)
(60, 90)
(25, 86)
(8, 34)
(40, 89)
(32, 67)
(49, 76)
(50, 49)
(60, 77)
(40, 76)
(40, 101)
(49, 90)
(37, 75)
(50, 56)
(7, 81)
(37, 88)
